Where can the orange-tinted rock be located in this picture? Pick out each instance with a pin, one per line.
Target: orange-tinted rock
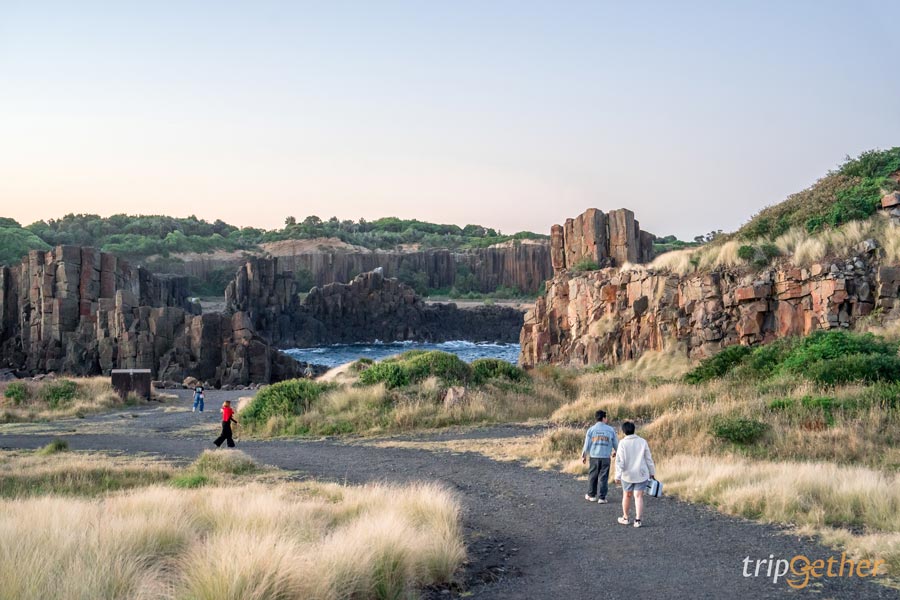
(609, 316)
(890, 200)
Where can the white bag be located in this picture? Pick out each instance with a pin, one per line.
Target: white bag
(654, 488)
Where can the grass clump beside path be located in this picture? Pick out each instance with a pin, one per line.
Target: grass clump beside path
(24, 474)
(54, 398)
(411, 391)
(296, 541)
(800, 431)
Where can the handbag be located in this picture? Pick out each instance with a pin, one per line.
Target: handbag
(654, 488)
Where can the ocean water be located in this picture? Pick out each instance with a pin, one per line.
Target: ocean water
(339, 354)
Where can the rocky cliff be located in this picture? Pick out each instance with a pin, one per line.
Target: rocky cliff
(611, 315)
(604, 239)
(523, 265)
(80, 311)
(371, 307)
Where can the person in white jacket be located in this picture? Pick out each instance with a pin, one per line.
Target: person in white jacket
(635, 469)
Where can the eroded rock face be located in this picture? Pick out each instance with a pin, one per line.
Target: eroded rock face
(605, 239)
(523, 266)
(79, 311)
(371, 307)
(610, 316)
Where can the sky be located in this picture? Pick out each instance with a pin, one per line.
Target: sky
(514, 115)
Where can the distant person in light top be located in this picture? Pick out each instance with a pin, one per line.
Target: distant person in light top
(198, 398)
(227, 420)
(635, 469)
(600, 445)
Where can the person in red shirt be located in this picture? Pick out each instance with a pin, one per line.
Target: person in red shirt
(227, 420)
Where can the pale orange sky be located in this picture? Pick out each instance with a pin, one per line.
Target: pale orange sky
(504, 114)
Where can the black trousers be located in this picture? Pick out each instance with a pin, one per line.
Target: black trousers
(598, 473)
(226, 436)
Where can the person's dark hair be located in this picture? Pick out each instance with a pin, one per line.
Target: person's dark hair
(628, 428)
(600, 414)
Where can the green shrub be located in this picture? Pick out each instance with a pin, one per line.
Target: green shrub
(444, 365)
(190, 480)
(57, 393)
(717, 365)
(746, 253)
(484, 369)
(391, 373)
(770, 250)
(585, 264)
(826, 357)
(849, 193)
(414, 366)
(56, 446)
(361, 365)
(766, 359)
(16, 391)
(854, 367)
(823, 345)
(739, 430)
(780, 404)
(292, 397)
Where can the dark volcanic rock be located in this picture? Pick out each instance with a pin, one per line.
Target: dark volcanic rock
(519, 265)
(371, 307)
(79, 311)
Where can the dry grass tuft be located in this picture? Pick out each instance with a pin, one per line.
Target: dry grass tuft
(676, 261)
(296, 541)
(50, 399)
(826, 498)
(74, 473)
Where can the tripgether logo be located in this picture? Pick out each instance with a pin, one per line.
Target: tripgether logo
(799, 570)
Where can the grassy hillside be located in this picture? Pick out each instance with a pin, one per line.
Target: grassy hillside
(850, 193)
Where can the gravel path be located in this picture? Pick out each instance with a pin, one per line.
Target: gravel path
(530, 533)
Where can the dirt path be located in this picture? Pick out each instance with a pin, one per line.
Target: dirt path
(530, 532)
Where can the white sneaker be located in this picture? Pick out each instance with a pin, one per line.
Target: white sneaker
(193, 410)
(637, 523)
(590, 498)
(602, 501)
(623, 520)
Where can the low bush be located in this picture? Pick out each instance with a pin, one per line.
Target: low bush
(854, 368)
(390, 373)
(781, 404)
(739, 430)
(292, 397)
(825, 357)
(485, 369)
(746, 253)
(717, 365)
(446, 366)
(57, 393)
(361, 365)
(16, 391)
(585, 264)
(824, 345)
(416, 366)
(56, 446)
(190, 481)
